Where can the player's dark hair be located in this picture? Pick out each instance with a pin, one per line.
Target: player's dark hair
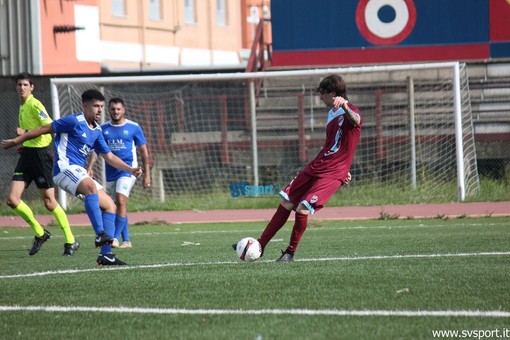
(333, 83)
(90, 95)
(25, 76)
(116, 101)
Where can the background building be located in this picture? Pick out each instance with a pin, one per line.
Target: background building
(55, 37)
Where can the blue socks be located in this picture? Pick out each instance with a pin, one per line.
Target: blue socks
(94, 212)
(101, 221)
(109, 228)
(125, 231)
(121, 228)
(120, 223)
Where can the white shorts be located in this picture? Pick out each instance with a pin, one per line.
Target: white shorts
(122, 185)
(70, 178)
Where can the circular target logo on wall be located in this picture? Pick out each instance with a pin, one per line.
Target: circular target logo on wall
(385, 22)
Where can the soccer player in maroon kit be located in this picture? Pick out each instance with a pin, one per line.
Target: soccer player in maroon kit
(321, 178)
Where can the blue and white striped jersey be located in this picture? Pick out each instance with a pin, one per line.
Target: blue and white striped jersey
(74, 139)
(123, 140)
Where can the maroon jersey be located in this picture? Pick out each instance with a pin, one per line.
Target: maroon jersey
(335, 158)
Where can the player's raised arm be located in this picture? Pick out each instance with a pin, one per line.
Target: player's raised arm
(118, 163)
(352, 115)
(9, 143)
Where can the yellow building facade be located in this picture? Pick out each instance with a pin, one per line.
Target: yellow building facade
(155, 34)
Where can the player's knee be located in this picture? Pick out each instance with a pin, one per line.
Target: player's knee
(87, 187)
(120, 207)
(106, 203)
(12, 201)
(302, 209)
(287, 204)
(121, 201)
(50, 204)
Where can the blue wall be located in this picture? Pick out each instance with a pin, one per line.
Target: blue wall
(335, 32)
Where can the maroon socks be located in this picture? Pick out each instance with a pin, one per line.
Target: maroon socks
(277, 221)
(297, 232)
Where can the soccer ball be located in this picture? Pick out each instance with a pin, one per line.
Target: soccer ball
(249, 249)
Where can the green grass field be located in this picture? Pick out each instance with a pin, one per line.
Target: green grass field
(381, 279)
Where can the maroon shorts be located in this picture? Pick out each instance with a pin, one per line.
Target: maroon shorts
(313, 192)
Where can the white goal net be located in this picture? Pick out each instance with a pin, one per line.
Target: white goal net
(221, 137)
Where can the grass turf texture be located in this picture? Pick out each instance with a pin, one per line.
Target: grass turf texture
(341, 266)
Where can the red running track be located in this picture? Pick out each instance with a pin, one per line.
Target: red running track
(447, 210)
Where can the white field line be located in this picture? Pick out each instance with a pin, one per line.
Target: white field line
(237, 231)
(309, 312)
(183, 264)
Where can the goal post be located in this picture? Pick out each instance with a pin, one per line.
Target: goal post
(218, 137)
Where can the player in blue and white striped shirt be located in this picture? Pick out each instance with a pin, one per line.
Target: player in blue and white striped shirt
(123, 137)
(75, 136)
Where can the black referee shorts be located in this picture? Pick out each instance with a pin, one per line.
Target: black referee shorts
(35, 164)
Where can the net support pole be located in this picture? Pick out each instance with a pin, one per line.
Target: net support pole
(458, 132)
(253, 118)
(412, 131)
(161, 185)
(62, 195)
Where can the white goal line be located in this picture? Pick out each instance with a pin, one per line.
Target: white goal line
(309, 312)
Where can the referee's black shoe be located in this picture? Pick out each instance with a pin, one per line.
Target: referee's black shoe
(38, 241)
(70, 248)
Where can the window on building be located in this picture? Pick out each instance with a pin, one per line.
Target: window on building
(155, 10)
(221, 13)
(254, 17)
(189, 12)
(119, 8)
(266, 12)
